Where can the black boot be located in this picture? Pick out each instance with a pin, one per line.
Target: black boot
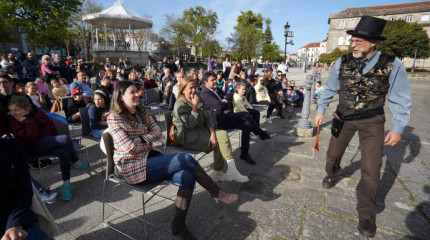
(217, 193)
(183, 199)
(367, 226)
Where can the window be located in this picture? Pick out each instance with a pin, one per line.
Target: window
(393, 18)
(425, 18)
(340, 41)
(351, 23)
(341, 23)
(348, 40)
(408, 18)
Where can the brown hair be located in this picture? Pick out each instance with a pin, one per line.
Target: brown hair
(267, 74)
(117, 105)
(20, 101)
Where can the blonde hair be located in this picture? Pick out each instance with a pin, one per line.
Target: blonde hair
(30, 85)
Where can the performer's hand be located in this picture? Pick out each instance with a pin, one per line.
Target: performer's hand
(392, 138)
(318, 118)
(212, 141)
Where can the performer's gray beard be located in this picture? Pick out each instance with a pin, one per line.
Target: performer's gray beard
(358, 55)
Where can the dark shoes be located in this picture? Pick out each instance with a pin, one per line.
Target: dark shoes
(265, 135)
(367, 227)
(247, 158)
(328, 181)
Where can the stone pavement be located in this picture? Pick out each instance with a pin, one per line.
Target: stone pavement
(284, 198)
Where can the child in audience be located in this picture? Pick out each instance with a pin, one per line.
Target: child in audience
(41, 86)
(32, 91)
(57, 90)
(97, 113)
(39, 135)
(73, 106)
(240, 104)
(20, 88)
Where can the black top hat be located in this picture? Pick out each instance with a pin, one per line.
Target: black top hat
(369, 27)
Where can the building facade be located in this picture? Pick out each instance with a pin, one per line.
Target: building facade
(311, 52)
(347, 20)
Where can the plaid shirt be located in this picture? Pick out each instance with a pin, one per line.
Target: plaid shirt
(130, 153)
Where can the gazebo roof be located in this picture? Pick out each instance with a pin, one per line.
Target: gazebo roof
(118, 16)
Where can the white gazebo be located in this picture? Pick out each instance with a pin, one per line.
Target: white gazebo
(118, 17)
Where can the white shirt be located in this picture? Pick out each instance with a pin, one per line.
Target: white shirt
(225, 65)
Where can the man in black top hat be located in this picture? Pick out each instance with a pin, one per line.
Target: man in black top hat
(363, 79)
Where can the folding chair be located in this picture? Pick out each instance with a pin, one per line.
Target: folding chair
(153, 97)
(110, 176)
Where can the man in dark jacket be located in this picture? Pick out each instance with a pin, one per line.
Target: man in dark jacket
(31, 66)
(224, 118)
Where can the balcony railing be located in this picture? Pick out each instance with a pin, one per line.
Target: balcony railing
(120, 47)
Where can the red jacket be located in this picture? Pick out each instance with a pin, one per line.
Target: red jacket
(36, 126)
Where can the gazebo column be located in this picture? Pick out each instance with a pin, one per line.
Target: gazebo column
(146, 39)
(105, 36)
(97, 36)
(129, 36)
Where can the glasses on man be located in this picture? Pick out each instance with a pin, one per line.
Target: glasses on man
(4, 82)
(279, 75)
(357, 42)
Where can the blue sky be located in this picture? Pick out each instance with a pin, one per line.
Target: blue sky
(308, 18)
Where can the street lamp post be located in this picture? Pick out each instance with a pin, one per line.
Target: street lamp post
(287, 34)
(415, 56)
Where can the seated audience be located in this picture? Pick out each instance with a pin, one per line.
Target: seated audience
(274, 89)
(194, 130)
(149, 83)
(224, 118)
(134, 131)
(97, 113)
(105, 85)
(37, 131)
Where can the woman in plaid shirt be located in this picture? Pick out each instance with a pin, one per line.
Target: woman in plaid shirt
(133, 131)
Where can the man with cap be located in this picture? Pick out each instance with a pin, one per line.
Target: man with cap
(363, 79)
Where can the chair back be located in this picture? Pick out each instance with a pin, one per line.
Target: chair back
(108, 143)
(167, 121)
(85, 121)
(65, 103)
(152, 95)
(61, 126)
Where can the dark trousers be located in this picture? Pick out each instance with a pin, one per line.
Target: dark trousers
(60, 146)
(242, 121)
(272, 106)
(371, 136)
(255, 115)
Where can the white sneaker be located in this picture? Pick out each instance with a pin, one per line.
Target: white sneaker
(268, 120)
(253, 136)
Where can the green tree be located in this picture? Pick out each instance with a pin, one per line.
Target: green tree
(196, 24)
(247, 37)
(333, 56)
(173, 31)
(82, 29)
(44, 22)
(401, 38)
(268, 37)
(211, 47)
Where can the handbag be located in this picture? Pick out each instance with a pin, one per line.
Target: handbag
(171, 135)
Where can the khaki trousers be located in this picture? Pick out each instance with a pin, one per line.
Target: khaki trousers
(223, 152)
(371, 136)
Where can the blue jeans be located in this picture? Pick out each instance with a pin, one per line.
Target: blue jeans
(178, 167)
(35, 233)
(60, 146)
(97, 133)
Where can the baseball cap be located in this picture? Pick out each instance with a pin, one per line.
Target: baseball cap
(76, 91)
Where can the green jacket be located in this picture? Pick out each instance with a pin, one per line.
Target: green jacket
(190, 132)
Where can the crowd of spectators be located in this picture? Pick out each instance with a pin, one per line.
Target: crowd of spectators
(204, 104)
